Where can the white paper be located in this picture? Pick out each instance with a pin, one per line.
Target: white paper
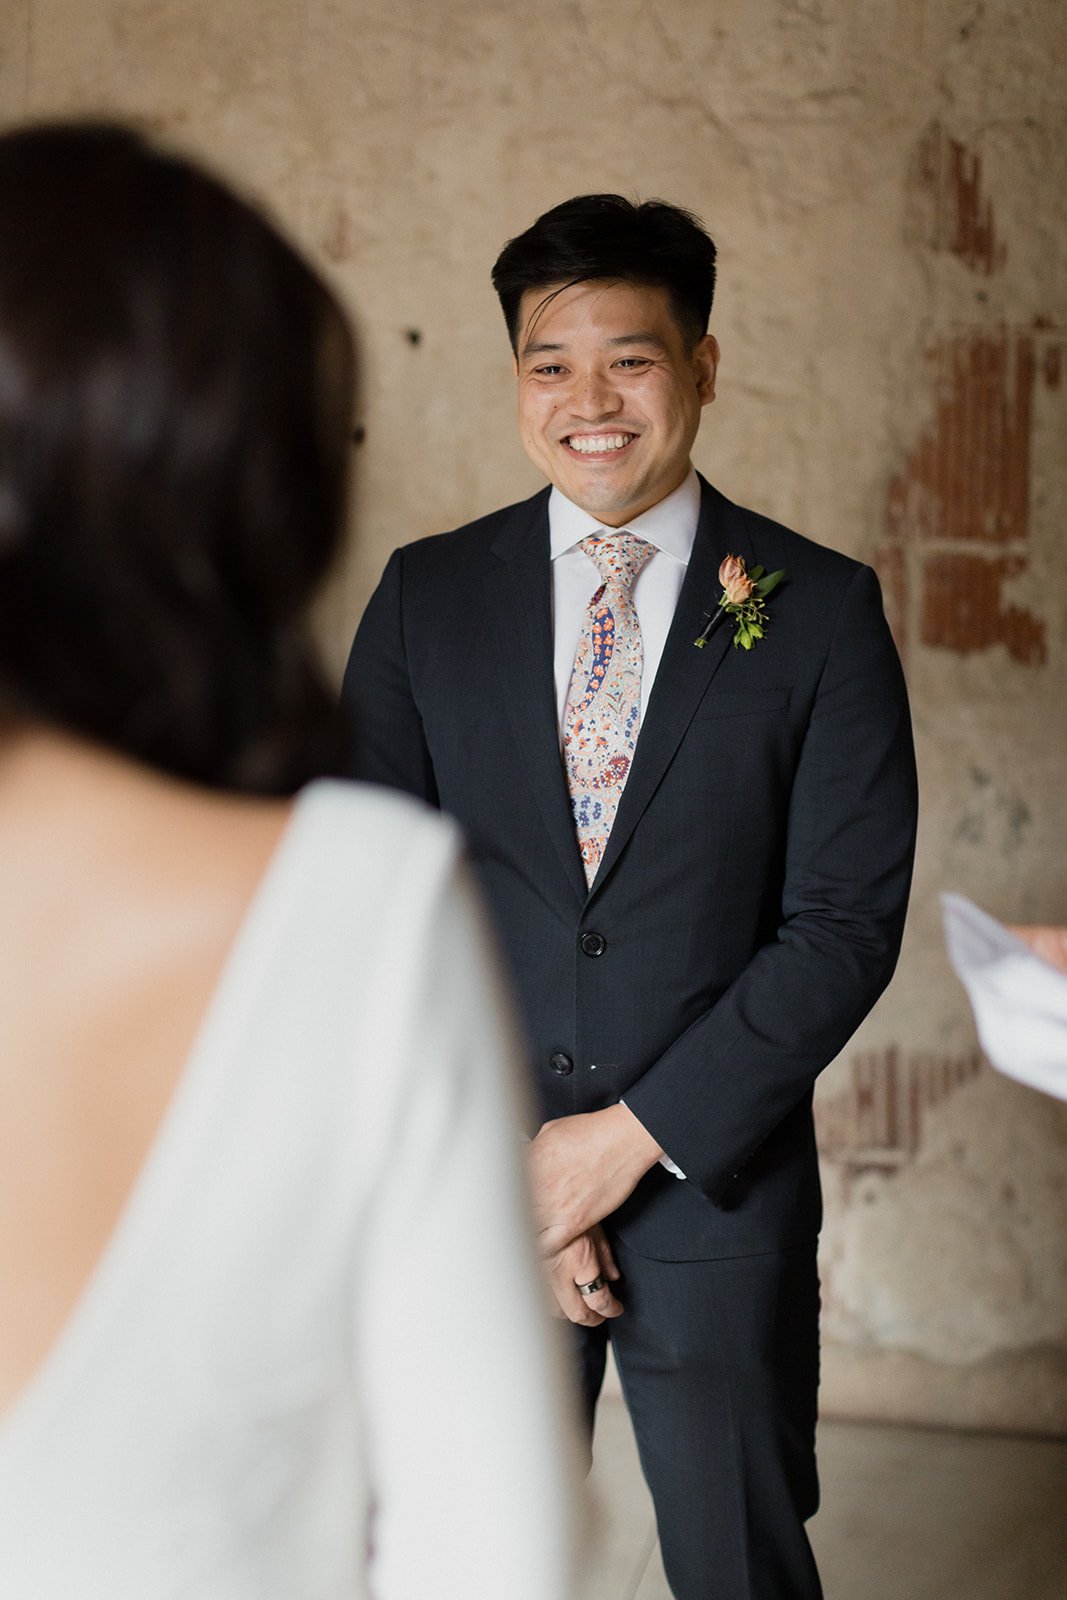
(1019, 1000)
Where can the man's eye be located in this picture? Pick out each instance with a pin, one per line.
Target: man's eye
(632, 362)
(549, 371)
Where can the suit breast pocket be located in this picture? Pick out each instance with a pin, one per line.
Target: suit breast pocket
(741, 703)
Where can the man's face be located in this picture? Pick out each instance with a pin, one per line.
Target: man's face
(609, 395)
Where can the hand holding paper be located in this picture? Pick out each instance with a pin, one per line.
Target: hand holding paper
(1016, 979)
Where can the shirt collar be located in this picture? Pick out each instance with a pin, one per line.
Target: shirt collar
(670, 525)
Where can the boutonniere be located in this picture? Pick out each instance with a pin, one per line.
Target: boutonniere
(743, 594)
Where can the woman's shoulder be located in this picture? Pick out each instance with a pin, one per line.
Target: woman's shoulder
(387, 841)
(338, 805)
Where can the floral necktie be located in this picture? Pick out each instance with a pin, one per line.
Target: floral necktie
(603, 711)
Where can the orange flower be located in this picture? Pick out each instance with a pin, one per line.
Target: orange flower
(735, 580)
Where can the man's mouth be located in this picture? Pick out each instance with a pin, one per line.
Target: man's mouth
(598, 444)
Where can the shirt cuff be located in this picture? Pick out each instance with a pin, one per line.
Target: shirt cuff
(664, 1161)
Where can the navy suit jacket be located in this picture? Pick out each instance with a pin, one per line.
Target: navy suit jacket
(749, 906)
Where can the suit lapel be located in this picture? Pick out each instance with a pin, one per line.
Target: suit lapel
(684, 671)
(518, 588)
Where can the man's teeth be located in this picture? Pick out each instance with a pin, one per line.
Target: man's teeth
(587, 444)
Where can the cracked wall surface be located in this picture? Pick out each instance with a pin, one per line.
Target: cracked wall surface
(885, 180)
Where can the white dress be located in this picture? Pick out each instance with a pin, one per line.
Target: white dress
(314, 1361)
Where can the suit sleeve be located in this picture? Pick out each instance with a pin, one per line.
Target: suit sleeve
(387, 740)
(721, 1088)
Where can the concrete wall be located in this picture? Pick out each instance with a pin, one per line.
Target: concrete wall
(885, 179)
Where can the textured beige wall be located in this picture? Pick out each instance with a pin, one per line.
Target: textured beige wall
(885, 179)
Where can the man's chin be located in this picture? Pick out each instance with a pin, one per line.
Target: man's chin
(609, 503)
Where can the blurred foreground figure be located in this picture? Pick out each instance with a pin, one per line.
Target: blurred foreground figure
(256, 1158)
(1016, 981)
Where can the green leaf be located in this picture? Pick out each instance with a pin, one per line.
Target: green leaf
(757, 572)
(771, 581)
(755, 630)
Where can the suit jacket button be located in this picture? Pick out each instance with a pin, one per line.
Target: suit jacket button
(593, 944)
(561, 1064)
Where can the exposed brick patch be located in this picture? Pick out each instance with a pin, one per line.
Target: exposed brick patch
(876, 1124)
(949, 210)
(958, 510)
(969, 476)
(962, 608)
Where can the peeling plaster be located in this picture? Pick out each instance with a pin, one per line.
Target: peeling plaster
(886, 184)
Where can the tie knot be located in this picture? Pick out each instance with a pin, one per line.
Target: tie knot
(618, 557)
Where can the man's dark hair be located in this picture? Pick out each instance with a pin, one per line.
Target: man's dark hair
(606, 236)
(175, 416)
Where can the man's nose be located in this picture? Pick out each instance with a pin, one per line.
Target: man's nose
(595, 396)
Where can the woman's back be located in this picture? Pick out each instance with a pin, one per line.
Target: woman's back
(122, 895)
(277, 1362)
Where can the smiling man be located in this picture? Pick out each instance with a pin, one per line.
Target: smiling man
(610, 394)
(697, 856)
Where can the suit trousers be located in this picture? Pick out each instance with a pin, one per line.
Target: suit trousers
(719, 1363)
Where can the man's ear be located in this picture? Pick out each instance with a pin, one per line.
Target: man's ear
(706, 364)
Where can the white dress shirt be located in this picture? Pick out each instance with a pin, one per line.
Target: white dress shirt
(671, 526)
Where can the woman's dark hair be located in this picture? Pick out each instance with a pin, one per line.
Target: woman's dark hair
(175, 401)
(606, 236)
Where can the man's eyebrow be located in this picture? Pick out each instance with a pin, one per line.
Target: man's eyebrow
(542, 349)
(620, 340)
(638, 338)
